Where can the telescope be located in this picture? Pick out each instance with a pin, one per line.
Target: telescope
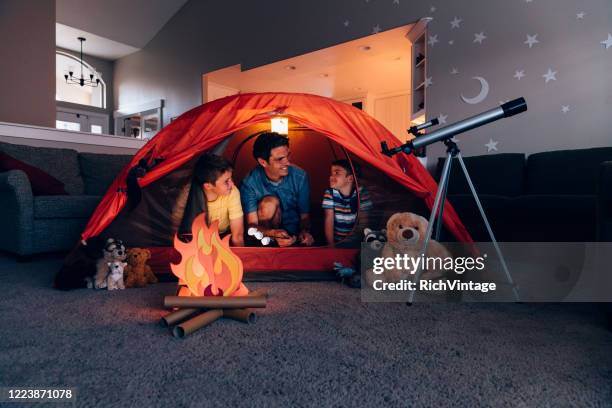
(506, 110)
(445, 135)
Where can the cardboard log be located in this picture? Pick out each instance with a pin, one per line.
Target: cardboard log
(241, 315)
(215, 302)
(195, 323)
(177, 316)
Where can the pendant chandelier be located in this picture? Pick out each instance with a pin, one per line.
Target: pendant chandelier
(82, 81)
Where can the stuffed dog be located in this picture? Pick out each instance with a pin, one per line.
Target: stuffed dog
(114, 280)
(114, 250)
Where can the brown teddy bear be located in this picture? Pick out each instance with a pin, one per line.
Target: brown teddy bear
(406, 235)
(137, 272)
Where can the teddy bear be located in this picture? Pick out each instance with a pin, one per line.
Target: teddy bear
(405, 236)
(138, 273)
(114, 250)
(114, 280)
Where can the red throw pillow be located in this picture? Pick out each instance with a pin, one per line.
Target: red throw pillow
(41, 182)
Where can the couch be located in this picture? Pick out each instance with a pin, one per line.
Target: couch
(558, 196)
(33, 224)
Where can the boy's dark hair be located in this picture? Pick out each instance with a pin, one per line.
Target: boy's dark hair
(346, 165)
(266, 142)
(210, 167)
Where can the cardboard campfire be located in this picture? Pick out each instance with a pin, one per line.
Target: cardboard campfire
(210, 282)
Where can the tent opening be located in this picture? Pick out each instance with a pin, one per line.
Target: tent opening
(169, 206)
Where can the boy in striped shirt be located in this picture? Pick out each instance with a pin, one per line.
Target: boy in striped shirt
(342, 203)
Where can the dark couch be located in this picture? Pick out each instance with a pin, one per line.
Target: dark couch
(33, 224)
(559, 196)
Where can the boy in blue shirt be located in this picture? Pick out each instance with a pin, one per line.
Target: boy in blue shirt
(342, 203)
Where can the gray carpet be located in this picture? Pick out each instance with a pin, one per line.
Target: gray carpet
(316, 344)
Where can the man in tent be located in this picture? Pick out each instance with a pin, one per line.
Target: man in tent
(276, 195)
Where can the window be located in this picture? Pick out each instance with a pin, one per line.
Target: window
(82, 95)
(81, 121)
(65, 125)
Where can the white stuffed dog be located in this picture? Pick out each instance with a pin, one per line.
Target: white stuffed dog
(114, 280)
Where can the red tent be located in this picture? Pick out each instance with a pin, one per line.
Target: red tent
(204, 127)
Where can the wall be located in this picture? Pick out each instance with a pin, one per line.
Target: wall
(205, 35)
(106, 68)
(27, 67)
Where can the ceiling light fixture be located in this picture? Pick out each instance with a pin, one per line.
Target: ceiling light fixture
(82, 81)
(364, 48)
(290, 67)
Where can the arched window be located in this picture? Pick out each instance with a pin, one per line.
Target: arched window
(83, 95)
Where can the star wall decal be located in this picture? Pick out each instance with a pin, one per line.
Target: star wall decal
(550, 75)
(580, 16)
(479, 37)
(531, 39)
(395, 1)
(454, 71)
(491, 146)
(442, 118)
(346, 23)
(428, 82)
(451, 42)
(432, 9)
(433, 39)
(455, 23)
(519, 74)
(565, 109)
(608, 42)
(376, 29)
(528, 1)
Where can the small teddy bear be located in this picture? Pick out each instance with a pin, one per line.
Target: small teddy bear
(114, 250)
(138, 273)
(114, 280)
(405, 236)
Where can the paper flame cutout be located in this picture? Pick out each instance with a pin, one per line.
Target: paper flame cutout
(208, 266)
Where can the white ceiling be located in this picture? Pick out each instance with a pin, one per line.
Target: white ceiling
(113, 28)
(94, 45)
(341, 72)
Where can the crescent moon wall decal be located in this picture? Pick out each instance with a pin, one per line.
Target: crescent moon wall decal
(484, 91)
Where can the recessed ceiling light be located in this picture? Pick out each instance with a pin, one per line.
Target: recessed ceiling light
(357, 88)
(364, 48)
(323, 75)
(290, 67)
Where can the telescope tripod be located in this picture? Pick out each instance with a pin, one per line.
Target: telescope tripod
(452, 152)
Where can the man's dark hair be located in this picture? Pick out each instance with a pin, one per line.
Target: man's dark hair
(346, 165)
(266, 142)
(210, 167)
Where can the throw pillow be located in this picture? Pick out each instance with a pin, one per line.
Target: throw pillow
(41, 182)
